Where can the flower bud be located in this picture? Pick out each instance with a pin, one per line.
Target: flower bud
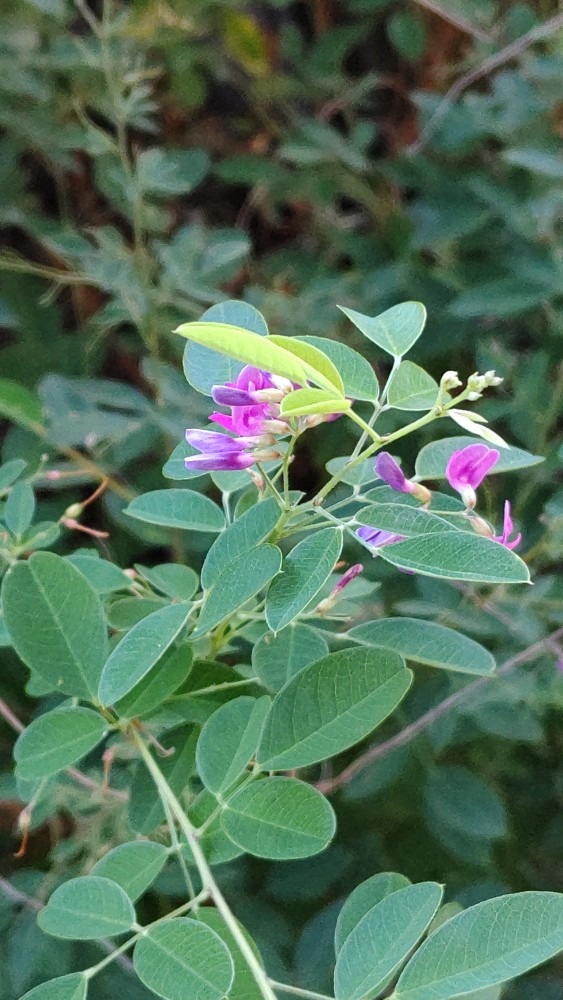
(450, 380)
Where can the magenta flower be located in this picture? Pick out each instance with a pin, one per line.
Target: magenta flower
(467, 469)
(375, 538)
(254, 400)
(507, 530)
(218, 451)
(347, 577)
(391, 473)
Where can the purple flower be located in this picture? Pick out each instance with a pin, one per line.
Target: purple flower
(375, 538)
(391, 473)
(254, 400)
(507, 530)
(219, 452)
(467, 469)
(347, 577)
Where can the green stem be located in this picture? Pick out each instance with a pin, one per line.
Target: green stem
(205, 872)
(297, 992)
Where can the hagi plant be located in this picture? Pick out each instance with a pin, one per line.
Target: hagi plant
(214, 712)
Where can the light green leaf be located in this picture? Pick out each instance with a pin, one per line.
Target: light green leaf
(246, 532)
(169, 172)
(489, 943)
(72, 987)
(242, 579)
(276, 658)
(402, 519)
(427, 642)
(140, 650)
(433, 458)
(305, 401)
(456, 555)
(395, 330)
(360, 381)
(103, 576)
(133, 866)
(330, 705)
(156, 686)
(204, 368)
(382, 940)
(19, 405)
(178, 508)
(251, 349)
(175, 468)
(62, 639)
(228, 740)
(10, 471)
(174, 580)
(244, 985)
(315, 359)
(473, 424)
(145, 807)
(183, 958)
(412, 388)
(364, 897)
(56, 740)
(87, 907)
(538, 161)
(279, 818)
(361, 474)
(304, 572)
(19, 509)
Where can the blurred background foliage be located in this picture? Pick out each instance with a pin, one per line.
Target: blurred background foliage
(160, 156)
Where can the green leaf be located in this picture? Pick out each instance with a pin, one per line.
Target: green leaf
(427, 642)
(10, 471)
(56, 740)
(316, 359)
(402, 519)
(463, 801)
(156, 686)
(538, 161)
(19, 509)
(205, 368)
(330, 705)
(87, 907)
(19, 405)
(169, 172)
(279, 818)
(382, 940)
(244, 985)
(487, 944)
(364, 897)
(305, 401)
(177, 508)
(127, 611)
(433, 458)
(182, 958)
(175, 468)
(65, 641)
(359, 378)
(72, 987)
(277, 658)
(412, 388)
(395, 330)
(145, 807)
(304, 572)
(228, 740)
(456, 555)
(213, 840)
(176, 581)
(406, 33)
(361, 474)
(140, 650)
(242, 579)
(103, 576)
(133, 866)
(246, 532)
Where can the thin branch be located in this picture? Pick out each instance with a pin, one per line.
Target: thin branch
(424, 721)
(456, 19)
(489, 65)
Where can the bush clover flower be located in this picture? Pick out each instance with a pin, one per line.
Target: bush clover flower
(507, 530)
(375, 538)
(391, 473)
(467, 469)
(345, 579)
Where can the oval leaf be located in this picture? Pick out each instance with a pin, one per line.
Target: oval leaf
(304, 401)
(456, 555)
(395, 330)
(250, 348)
(412, 388)
(19, 405)
(427, 642)
(243, 534)
(360, 381)
(72, 987)
(65, 641)
(86, 908)
(157, 685)
(487, 944)
(133, 866)
(277, 658)
(401, 519)
(182, 958)
(240, 580)
(364, 897)
(177, 508)
(317, 360)
(279, 818)
(204, 368)
(228, 740)
(304, 572)
(244, 985)
(56, 740)
(140, 650)
(331, 705)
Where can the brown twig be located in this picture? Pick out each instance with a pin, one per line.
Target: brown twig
(489, 65)
(456, 19)
(419, 725)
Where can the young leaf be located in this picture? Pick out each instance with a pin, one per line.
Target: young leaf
(228, 740)
(183, 958)
(395, 330)
(242, 579)
(56, 740)
(279, 818)
(305, 401)
(145, 807)
(19, 509)
(360, 381)
(246, 532)
(316, 359)
(63, 640)
(427, 642)
(19, 405)
(87, 907)
(133, 866)
(304, 572)
(364, 897)
(382, 940)
(487, 944)
(433, 458)
(251, 349)
(277, 658)
(72, 987)
(330, 705)
(204, 368)
(177, 508)
(456, 555)
(412, 388)
(140, 650)
(402, 519)
(156, 686)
